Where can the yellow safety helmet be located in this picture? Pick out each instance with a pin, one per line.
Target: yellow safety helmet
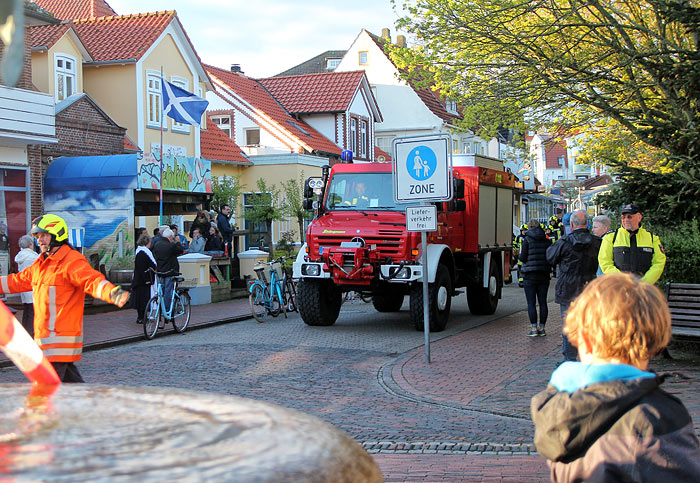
(52, 224)
(523, 226)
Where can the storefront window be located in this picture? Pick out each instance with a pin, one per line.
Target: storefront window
(13, 215)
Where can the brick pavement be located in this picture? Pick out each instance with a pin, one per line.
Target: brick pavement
(483, 377)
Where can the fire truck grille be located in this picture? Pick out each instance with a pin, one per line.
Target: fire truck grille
(389, 243)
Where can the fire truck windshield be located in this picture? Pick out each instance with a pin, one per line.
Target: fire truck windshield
(362, 191)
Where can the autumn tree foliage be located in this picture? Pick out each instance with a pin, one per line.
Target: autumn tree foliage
(626, 73)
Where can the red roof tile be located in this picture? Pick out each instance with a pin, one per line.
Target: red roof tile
(381, 156)
(76, 9)
(555, 149)
(45, 35)
(217, 146)
(129, 145)
(322, 92)
(122, 38)
(253, 92)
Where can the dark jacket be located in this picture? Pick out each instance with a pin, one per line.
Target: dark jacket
(533, 254)
(166, 254)
(577, 256)
(224, 227)
(202, 226)
(214, 244)
(142, 276)
(617, 430)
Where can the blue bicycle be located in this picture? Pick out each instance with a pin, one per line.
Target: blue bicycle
(266, 297)
(179, 313)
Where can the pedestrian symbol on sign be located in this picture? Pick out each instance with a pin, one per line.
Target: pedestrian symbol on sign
(421, 163)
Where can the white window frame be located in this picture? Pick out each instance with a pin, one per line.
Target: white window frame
(249, 129)
(363, 57)
(331, 64)
(64, 73)
(226, 126)
(353, 136)
(363, 139)
(184, 84)
(154, 94)
(451, 106)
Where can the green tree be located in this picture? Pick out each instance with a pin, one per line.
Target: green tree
(574, 63)
(294, 193)
(227, 190)
(265, 206)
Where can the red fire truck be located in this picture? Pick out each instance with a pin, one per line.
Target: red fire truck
(358, 242)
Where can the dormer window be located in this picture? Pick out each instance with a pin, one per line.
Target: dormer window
(331, 64)
(224, 123)
(451, 107)
(66, 77)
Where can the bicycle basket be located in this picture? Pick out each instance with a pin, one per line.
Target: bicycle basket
(260, 272)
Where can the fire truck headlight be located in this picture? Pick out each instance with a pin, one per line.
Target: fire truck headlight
(311, 270)
(404, 273)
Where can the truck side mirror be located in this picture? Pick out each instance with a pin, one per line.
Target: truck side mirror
(460, 205)
(308, 204)
(458, 188)
(308, 190)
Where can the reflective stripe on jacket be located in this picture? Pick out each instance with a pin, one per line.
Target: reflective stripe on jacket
(60, 282)
(647, 260)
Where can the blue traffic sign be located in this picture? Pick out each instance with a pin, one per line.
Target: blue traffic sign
(421, 163)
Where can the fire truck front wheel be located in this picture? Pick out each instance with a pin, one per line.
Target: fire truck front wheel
(440, 301)
(318, 302)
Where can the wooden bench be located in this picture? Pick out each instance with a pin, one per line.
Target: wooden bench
(684, 301)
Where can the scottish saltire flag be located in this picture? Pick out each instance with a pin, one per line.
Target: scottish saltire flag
(181, 105)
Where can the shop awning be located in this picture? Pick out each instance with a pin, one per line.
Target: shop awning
(92, 173)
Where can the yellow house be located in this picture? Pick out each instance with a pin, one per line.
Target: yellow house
(120, 61)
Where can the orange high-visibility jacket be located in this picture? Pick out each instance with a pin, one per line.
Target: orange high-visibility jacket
(60, 282)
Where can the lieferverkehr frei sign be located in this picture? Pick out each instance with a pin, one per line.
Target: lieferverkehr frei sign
(422, 168)
(421, 218)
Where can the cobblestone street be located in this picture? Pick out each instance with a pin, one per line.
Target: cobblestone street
(464, 417)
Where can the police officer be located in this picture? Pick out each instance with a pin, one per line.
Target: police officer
(633, 249)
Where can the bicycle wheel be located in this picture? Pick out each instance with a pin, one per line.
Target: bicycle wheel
(291, 296)
(183, 310)
(150, 324)
(257, 299)
(273, 302)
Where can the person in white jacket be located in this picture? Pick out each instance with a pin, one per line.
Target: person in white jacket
(24, 259)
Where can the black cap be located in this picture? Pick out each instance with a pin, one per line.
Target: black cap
(631, 209)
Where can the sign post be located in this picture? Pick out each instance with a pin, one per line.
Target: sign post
(422, 174)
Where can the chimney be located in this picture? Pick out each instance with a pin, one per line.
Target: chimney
(401, 41)
(386, 35)
(236, 68)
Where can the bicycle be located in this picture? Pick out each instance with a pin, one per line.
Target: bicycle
(179, 313)
(266, 297)
(289, 290)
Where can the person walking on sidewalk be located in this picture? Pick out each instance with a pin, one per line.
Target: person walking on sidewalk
(60, 278)
(24, 259)
(536, 271)
(577, 257)
(143, 285)
(166, 253)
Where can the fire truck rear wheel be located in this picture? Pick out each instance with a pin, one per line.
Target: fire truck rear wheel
(440, 301)
(318, 302)
(391, 302)
(484, 300)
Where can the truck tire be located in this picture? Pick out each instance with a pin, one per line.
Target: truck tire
(390, 302)
(318, 302)
(440, 301)
(484, 300)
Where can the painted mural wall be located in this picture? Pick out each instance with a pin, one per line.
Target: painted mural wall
(180, 173)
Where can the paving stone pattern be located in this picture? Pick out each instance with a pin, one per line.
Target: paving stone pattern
(463, 417)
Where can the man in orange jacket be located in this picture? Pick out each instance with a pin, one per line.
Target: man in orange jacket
(60, 278)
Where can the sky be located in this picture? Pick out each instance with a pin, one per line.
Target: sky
(267, 37)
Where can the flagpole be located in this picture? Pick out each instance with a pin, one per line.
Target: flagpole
(160, 217)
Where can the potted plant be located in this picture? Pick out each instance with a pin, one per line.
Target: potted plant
(121, 270)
